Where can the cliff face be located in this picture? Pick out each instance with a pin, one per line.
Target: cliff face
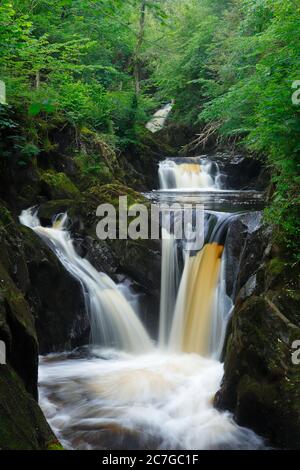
(22, 424)
(261, 385)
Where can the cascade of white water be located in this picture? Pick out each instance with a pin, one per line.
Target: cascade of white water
(158, 120)
(173, 175)
(169, 285)
(113, 321)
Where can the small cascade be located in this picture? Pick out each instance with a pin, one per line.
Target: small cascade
(159, 118)
(197, 322)
(113, 321)
(192, 175)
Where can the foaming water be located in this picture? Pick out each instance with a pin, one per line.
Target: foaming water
(115, 400)
(169, 286)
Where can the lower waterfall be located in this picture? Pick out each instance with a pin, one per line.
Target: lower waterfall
(113, 321)
(193, 332)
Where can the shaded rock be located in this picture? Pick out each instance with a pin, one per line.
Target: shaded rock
(140, 161)
(18, 332)
(99, 254)
(242, 172)
(57, 186)
(247, 241)
(261, 385)
(22, 424)
(140, 259)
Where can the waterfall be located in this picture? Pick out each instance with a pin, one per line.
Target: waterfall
(203, 275)
(159, 118)
(178, 175)
(163, 399)
(197, 322)
(113, 321)
(169, 285)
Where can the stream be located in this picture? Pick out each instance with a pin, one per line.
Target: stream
(127, 390)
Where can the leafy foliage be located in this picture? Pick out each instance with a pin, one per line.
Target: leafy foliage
(103, 65)
(234, 64)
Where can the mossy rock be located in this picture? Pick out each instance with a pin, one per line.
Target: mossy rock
(58, 186)
(22, 424)
(6, 217)
(261, 385)
(17, 330)
(276, 266)
(54, 445)
(110, 193)
(48, 210)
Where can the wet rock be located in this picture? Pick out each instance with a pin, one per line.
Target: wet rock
(18, 332)
(99, 254)
(242, 172)
(261, 385)
(247, 241)
(140, 259)
(22, 424)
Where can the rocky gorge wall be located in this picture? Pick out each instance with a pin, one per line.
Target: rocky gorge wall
(261, 384)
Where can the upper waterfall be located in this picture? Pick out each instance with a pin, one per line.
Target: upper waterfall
(201, 174)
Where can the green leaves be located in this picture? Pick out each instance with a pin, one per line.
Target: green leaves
(234, 63)
(37, 108)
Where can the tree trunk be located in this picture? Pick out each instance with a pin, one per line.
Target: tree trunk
(37, 80)
(137, 59)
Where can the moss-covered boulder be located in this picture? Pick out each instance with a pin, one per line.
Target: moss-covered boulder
(18, 332)
(56, 185)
